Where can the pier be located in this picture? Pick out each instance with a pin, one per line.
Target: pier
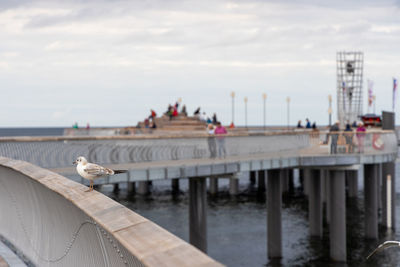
(272, 156)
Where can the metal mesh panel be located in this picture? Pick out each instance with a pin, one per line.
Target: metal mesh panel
(50, 230)
(349, 86)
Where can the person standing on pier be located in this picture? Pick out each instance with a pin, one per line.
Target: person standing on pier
(220, 131)
(334, 133)
(360, 137)
(348, 135)
(299, 124)
(308, 124)
(212, 147)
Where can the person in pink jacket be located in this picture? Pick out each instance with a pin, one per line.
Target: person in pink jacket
(220, 131)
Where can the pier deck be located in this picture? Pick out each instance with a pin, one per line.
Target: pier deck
(171, 169)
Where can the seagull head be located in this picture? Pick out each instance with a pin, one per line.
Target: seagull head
(80, 160)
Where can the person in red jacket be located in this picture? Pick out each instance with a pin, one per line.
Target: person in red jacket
(360, 133)
(220, 132)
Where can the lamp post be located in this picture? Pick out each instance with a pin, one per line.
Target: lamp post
(233, 107)
(264, 98)
(330, 109)
(288, 111)
(245, 111)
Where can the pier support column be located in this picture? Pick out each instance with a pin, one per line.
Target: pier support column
(291, 180)
(143, 188)
(233, 185)
(301, 178)
(213, 185)
(371, 200)
(197, 213)
(131, 187)
(274, 219)
(352, 183)
(252, 177)
(327, 196)
(323, 186)
(315, 204)
(388, 195)
(337, 225)
(306, 179)
(284, 180)
(175, 185)
(261, 181)
(116, 188)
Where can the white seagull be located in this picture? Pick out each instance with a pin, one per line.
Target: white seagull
(383, 246)
(93, 171)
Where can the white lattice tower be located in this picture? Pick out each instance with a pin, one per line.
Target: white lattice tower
(349, 86)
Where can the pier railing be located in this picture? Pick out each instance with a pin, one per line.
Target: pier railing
(350, 142)
(54, 222)
(56, 152)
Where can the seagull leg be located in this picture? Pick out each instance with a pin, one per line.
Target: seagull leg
(90, 186)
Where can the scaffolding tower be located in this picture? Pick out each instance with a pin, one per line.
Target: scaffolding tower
(349, 86)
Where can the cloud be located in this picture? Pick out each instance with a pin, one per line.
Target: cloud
(180, 48)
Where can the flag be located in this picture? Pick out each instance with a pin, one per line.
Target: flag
(370, 93)
(394, 91)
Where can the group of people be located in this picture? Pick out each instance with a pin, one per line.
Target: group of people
(308, 124)
(172, 111)
(349, 137)
(216, 138)
(202, 116)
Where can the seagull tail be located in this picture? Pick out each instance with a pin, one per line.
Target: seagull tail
(120, 171)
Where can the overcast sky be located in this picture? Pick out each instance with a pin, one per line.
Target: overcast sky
(109, 62)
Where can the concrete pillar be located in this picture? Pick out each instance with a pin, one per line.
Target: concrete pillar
(291, 180)
(261, 181)
(252, 177)
(301, 178)
(315, 204)
(233, 185)
(274, 220)
(388, 123)
(337, 225)
(371, 201)
(352, 182)
(131, 188)
(323, 186)
(306, 175)
(328, 194)
(175, 185)
(379, 185)
(213, 185)
(143, 188)
(388, 169)
(284, 180)
(197, 213)
(116, 188)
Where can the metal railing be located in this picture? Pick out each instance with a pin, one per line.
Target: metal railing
(352, 142)
(58, 152)
(55, 152)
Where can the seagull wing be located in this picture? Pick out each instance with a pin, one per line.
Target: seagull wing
(383, 246)
(97, 170)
